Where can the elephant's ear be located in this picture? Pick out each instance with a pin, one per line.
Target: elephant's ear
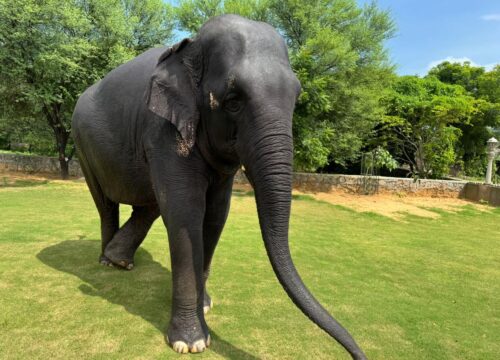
(174, 90)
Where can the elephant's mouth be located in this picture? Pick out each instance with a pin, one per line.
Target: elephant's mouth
(218, 144)
(229, 148)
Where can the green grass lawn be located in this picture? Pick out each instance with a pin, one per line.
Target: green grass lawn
(413, 289)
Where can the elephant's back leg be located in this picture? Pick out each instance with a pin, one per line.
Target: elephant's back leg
(108, 209)
(122, 248)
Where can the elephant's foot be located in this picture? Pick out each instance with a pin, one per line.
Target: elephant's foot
(111, 258)
(104, 261)
(207, 303)
(188, 336)
(183, 348)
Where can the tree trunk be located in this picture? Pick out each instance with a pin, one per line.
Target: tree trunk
(61, 134)
(64, 168)
(420, 161)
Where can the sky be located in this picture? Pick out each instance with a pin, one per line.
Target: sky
(431, 31)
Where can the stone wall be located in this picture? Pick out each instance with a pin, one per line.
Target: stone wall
(33, 164)
(482, 192)
(301, 181)
(358, 184)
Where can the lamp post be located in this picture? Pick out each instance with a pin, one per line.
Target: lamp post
(492, 152)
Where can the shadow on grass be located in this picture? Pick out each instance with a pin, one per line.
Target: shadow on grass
(143, 292)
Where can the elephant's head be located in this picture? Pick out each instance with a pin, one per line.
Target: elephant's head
(232, 91)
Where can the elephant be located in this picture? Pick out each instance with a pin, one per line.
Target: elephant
(166, 133)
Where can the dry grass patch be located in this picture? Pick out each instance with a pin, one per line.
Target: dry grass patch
(398, 207)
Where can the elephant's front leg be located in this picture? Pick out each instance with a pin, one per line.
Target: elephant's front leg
(181, 199)
(188, 330)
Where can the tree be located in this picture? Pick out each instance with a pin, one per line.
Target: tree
(489, 85)
(51, 51)
(192, 14)
(420, 123)
(464, 74)
(336, 50)
(485, 88)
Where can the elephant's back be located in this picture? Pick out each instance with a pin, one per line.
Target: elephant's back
(117, 100)
(108, 123)
(122, 87)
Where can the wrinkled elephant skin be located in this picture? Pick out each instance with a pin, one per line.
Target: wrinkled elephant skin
(167, 131)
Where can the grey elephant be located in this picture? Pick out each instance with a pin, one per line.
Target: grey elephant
(166, 133)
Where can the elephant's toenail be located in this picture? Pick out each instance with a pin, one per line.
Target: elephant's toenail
(198, 346)
(180, 347)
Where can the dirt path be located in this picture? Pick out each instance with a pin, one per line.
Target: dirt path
(397, 207)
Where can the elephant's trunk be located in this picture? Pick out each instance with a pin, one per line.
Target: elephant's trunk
(269, 168)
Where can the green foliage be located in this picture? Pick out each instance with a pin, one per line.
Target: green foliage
(149, 23)
(311, 148)
(53, 50)
(476, 130)
(420, 122)
(337, 53)
(22, 129)
(336, 50)
(489, 85)
(439, 152)
(380, 158)
(192, 14)
(463, 74)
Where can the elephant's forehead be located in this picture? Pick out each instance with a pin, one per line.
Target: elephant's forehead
(268, 72)
(228, 52)
(228, 39)
(252, 73)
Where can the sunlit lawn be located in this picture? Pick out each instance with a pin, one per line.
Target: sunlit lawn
(413, 289)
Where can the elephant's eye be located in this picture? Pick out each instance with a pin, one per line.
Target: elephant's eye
(233, 104)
